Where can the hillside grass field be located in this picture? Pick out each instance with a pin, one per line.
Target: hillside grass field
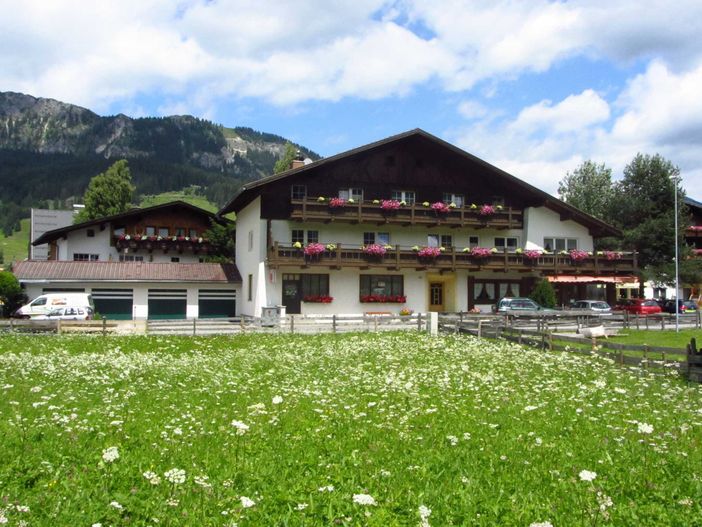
(389, 429)
(16, 246)
(165, 197)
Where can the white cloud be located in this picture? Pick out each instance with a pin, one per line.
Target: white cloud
(573, 113)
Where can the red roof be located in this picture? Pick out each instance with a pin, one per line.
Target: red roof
(57, 270)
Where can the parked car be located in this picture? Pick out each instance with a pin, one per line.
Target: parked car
(597, 306)
(46, 303)
(639, 306)
(67, 313)
(516, 305)
(684, 306)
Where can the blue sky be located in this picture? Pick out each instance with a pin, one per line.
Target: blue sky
(533, 87)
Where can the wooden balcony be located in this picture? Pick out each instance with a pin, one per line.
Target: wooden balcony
(451, 259)
(310, 209)
(149, 244)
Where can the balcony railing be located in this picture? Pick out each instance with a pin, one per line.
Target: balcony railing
(309, 209)
(149, 244)
(450, 260)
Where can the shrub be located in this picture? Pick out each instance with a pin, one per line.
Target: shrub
(544, 294)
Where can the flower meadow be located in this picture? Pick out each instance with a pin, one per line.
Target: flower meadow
(388, 429)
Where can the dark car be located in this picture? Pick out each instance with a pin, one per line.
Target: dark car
(684, 306)
(516, 305)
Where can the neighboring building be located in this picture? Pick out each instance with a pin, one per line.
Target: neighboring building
(404, 234)
(144, 263)
(171, 232)
(42, 221)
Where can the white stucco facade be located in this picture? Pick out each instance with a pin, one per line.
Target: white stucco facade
(78, 242)
(542, 222)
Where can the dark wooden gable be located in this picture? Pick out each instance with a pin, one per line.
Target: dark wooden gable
(416, 163)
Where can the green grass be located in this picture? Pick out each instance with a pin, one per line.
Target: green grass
(16, 246)
(480, 432)
(165, 197)
(665, 338)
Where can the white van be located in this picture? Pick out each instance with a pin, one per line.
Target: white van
(43, 304)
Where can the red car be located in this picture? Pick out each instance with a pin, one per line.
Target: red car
(639, 306)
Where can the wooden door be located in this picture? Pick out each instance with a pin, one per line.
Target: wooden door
(436, 296)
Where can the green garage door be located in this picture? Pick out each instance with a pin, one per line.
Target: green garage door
(216, 303)
(114, 304)
(167, 303)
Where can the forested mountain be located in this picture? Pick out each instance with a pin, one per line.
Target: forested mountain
(49, 150)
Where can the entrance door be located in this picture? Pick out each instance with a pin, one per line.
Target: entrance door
(436, 296)
(292, 293)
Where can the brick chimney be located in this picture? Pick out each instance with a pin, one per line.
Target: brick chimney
(298, 162)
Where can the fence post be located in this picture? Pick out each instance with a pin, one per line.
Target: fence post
(550, 342)
(12, 325)
(419, 322)
(480, 328)
(375, 324)
(292, 323)
(594, 343)
(241, 323)
(194, 327)
(104, 326)
(645, 355)
(334, 323)
(58, 326)
(662, 322)
(520, 336)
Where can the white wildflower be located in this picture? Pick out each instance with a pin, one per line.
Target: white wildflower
(203, 481)
(175, 476)
(328, 488)
(247, 502)
(277, 399)
(453, 440)
(645, 428)
(301, 506)
(541, 524)
(110, 454)
(153, 478)
(530, 408)
(424, 513)
(364, 499)
(116, 505)
(241, 428)
(586, 475)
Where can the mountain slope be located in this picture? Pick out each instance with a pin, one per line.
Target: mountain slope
(49, 150)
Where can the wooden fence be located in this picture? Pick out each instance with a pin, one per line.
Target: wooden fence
(544, 333)
(58, 326)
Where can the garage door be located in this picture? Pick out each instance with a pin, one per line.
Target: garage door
(114, 304)
(167, 303)
(217, 303)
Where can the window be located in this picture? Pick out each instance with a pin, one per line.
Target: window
(298, 236)
(560, 244)
(90, 233)
(439, 240)
(351, 193)
(192, 233)
(298, 191)
(387, 285)
(163, 232)
(251, 240)
(456, 199)
(175, 259)
(119, 230)
(473, 241)
(130, 258)
(315, 284)
(85, 257)
(249, 282)
(403, 195)
(381, 238)
(151, 231)
(180, 231)
(506, 243)
(487, 291)
(41, 301)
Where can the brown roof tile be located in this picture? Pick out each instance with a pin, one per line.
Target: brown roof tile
(126, 271)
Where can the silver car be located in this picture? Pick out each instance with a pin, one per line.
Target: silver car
(597, 306)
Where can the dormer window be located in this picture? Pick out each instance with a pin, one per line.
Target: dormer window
(355, 194)
(456, 199)
(298, 191)
(403, 195)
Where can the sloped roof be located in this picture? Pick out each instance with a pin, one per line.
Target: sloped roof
(68, 271)
(57, 233)
(249, 191)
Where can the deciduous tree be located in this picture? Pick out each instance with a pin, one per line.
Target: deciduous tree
(589, 188)
(108, 193)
